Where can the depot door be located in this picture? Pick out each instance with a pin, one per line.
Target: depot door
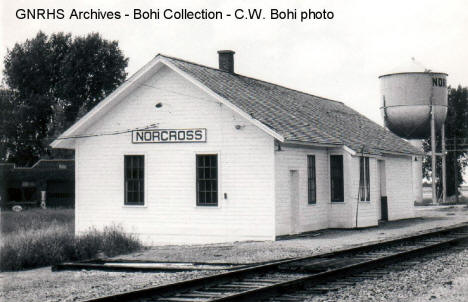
(294, 200)
(383, 205)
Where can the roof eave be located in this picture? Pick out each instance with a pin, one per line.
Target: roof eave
(402, 153)
(310, 144)
(63, 142)
(226, 102)
(66, 141)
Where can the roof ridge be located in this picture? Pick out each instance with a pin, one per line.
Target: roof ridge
(251, 78)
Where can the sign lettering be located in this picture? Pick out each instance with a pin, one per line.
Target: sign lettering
(439, 82)
(197, 135)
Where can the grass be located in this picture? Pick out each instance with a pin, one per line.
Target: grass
(450, 201)
(37, 237)
(35, 219)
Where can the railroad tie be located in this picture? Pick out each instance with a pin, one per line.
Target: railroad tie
(180, 299)
(200, 295)
(345, 283)
(342, 269)
(322, 289)
(208, 293)
(265, 281)
(289, 298)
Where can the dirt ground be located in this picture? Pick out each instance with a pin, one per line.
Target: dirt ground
(44, 285)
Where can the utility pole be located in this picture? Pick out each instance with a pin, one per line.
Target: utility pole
(433, 154)
(444, 168)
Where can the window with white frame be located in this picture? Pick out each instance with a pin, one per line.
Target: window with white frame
(364, 175)
(336, 178)
(311, 184)
(207, 179)
(134, 174)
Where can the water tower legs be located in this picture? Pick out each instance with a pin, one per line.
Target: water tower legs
(417, 168)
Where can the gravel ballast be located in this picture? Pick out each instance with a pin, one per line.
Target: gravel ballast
(442, 278)
(44, 285)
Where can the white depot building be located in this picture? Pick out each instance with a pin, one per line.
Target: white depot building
(185, 153)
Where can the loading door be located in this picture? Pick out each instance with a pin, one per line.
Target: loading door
(294, 200)
(383, 191)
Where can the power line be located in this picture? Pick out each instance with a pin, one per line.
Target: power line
(150, 126)
(109, 133)
(127, 130)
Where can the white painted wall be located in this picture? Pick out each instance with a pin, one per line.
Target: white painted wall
(324, 214)
(417, 178)
(382, 187)
(399, 172)
(311, 216)
(366, 210)
(417, 170)
(253, 175)
(343, 215)
(170, 214)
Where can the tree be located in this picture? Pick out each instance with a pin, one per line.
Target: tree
(456, 129)
(8, 122)
(19, 126)
(54, 78)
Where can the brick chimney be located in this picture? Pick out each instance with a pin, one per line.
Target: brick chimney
(226, 60)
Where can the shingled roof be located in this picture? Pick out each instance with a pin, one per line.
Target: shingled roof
(297, 116)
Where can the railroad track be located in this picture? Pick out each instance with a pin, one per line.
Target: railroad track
(294, 279)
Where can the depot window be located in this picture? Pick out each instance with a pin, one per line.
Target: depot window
(311, 184)
(336, 178)
(207, 179)
(364, 184)
(134, 169)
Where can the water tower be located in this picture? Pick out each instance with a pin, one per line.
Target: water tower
(414, 106)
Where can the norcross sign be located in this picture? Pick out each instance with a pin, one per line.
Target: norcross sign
(197, 135)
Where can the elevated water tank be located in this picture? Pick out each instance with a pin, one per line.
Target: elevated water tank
(406, 102)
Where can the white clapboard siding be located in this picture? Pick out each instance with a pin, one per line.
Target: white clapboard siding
(399, 187)
(254, 176)
(170, 214)
(365, 210)
(342, 213)
(311, 216)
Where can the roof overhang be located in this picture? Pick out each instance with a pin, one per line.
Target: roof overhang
(300, 144)
(401, 153)
(67, 139)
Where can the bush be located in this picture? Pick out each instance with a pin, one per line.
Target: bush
(35, 248)
(111, 241)
(23, 248)
(115, 242)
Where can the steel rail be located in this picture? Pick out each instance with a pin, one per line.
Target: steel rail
(169, 291)
(288, 286)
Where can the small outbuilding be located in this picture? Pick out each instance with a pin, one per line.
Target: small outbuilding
(48, 181)
(185, 153)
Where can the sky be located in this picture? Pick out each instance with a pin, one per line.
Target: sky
(339, 58)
